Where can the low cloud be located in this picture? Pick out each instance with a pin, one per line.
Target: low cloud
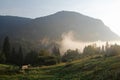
(70, 42)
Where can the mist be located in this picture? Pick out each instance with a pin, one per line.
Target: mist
(69, 41)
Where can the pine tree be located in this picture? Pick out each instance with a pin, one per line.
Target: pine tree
(56, 53)
(6, 48)
(20, 56)
(13, 56)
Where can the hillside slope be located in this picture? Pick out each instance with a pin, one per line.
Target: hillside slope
(88, 68)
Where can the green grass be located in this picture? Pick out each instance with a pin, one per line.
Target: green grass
(87, 68)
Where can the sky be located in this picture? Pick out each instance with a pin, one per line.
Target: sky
(106, 10)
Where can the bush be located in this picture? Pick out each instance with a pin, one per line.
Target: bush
(47, 60)
(2, 57)
(70, 55)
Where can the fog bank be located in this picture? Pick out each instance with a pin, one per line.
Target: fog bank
(70, 42)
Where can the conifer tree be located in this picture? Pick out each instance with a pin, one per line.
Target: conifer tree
(56, 53)
(6, 48)
(20, 56)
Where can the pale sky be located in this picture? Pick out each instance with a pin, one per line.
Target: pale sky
(106, 10)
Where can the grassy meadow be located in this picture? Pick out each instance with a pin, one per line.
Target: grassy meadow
(95, 67)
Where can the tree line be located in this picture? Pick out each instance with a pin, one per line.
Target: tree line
(16, 56)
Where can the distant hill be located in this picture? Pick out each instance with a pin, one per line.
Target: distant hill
(53, 26)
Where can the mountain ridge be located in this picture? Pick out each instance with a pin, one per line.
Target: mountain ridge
(54, 25)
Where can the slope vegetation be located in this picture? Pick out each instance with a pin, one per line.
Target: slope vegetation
(95, 67)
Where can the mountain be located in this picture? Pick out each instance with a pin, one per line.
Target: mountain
(54, 25)
(86, 28)
(13, 26)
